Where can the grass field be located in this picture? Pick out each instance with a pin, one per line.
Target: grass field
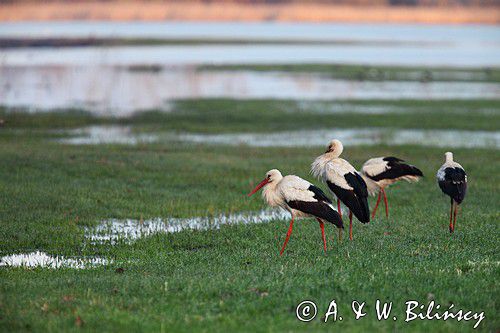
(233, 279)
(374, 73)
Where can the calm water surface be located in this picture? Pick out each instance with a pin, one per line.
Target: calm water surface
(107, 90)
(96, 78)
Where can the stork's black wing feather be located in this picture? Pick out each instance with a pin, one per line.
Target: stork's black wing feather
(454, 183)
(357, 183)
(357, 199)
(392, 159)
(319, 209)
(319, 194)
(397, 168)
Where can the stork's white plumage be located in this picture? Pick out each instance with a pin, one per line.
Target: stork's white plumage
(452, 180)
(344, 181)
(380, 172)
(300, 198)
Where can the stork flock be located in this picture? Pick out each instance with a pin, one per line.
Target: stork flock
(303, 199)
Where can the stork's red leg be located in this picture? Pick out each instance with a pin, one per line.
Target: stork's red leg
(290, 228)
(322, 226)
(455, 216)
(376, 205)
(338, 208)
(350, 224)
(451, 216)
(386, 204)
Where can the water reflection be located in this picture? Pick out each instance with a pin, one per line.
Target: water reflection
(119, 91)
(355, 136)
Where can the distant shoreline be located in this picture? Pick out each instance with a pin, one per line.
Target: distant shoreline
(159, 11)
(107, 42)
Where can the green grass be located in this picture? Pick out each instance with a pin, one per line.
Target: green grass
(233, 279)
(373, 73)
(227, 115)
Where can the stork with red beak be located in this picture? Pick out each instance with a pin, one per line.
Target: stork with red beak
(380, 172)
(344, 181)
(300, 198)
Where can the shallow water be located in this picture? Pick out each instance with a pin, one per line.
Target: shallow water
(118, 91)
(128, 230)
(41, 259)
(302, 138)
(256, 30)
(106, 134)
(98, 79)
(466, 45)
(176, 55)
(359, 136)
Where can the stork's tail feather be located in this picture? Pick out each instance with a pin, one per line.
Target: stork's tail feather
(365, 211)
(361, 210)
(334, 217)
(410, 170)
(460, 191)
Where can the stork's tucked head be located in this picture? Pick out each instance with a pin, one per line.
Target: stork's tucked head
(448, 156)
(335, 148)
(272, 177)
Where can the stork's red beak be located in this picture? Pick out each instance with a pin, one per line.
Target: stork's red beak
(258, 187)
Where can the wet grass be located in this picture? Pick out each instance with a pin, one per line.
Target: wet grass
(232, 279)
(228, 115)
(374, 73)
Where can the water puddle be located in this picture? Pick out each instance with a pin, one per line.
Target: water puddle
(128, 230)
(119, 91)
(112, 231)
(41, 259)
(93, 135)
(361, 136)
(302, 138)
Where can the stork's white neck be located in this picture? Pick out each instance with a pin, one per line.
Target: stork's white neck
(271, 195)
(318, 166)
(448, 157)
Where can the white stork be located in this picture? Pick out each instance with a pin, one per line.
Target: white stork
(300, 198)
(380, 172)
(344, 181)
(452, 180)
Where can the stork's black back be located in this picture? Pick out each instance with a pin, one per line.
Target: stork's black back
(454, 183)
(397, 168)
